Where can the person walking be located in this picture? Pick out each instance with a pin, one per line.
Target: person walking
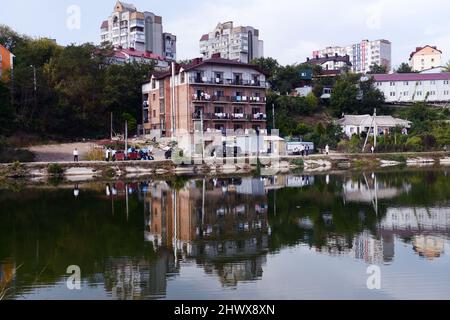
(327, 149)
(372, 149)
(75, 155)
(107, 154)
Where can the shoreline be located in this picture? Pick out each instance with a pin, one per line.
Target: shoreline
(91, 170)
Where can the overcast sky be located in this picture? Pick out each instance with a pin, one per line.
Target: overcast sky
(291, 29)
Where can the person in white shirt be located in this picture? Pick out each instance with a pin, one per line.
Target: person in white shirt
(75, 155)
(327, 149)
(107, 155)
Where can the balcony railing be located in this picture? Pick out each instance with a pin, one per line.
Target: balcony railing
(204, 97)
(230, 116)
(228, 82)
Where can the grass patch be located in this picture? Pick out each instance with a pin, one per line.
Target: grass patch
(95, 154)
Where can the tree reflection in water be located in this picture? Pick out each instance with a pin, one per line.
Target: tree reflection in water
(132, 238)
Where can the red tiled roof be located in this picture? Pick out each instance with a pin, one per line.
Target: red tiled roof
(204, 37)
(104, 25)
(141, 54)
(411, 77)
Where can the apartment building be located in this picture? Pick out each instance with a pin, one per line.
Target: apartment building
(143, 31)
(6, 62)
(235, 43)
(425, 58)
(362, 55)
(414, 87)
(225, 94)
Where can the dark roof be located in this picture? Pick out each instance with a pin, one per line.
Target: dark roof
(421, 48)
(104, 24)
(322, 60)
(411, 77)
(195, 63)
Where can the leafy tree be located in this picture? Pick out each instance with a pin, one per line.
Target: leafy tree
(377, 69)
(6, 111)
(404, 68)
(353, 96)
(268, 65)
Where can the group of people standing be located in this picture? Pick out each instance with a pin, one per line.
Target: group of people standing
(110, 154)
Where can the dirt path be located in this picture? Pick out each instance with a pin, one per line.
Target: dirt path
(60, 152)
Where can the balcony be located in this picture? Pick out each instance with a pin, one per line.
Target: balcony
(229, 82)
(203, 97)
(259, 117)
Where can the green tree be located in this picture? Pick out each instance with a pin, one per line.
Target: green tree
(404, 68)
(377, 69)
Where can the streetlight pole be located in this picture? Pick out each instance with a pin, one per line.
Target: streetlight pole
(273, 115)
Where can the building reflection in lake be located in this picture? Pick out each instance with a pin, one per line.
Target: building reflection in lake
(221, 224)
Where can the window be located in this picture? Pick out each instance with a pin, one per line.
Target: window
(406, 83)
(154, 113)
(392, 84)
(392, 94)
(406, 93)
(445, 81)
(182, 77)
(446, 93)
(154, 96)
(432, 82)
(379, 84)
(419, 93)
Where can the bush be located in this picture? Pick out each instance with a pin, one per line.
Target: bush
(414, 144)
(55, 170)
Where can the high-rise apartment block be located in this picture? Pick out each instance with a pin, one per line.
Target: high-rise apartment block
(142, 31)
(362, 55)
(234, 43)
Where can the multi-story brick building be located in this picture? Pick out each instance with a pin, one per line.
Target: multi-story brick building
(225, 94)
(142, 31)
(362, 55)
(6, 62)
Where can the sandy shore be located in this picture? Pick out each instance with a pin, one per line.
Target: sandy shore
(60, 152)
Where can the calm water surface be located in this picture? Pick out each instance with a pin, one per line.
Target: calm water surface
(269, 237)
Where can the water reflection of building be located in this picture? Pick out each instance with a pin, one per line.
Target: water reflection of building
(7, 273)
(222, 224)
(126, 279)
(366, 247)
(429, 247)
(369, 189)
(427, 220)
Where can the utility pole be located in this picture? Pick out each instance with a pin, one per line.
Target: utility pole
(203, 137)
(273, 114)
(111, 126)
(126, 138)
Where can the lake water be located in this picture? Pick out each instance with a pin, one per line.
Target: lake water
(347, 236)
